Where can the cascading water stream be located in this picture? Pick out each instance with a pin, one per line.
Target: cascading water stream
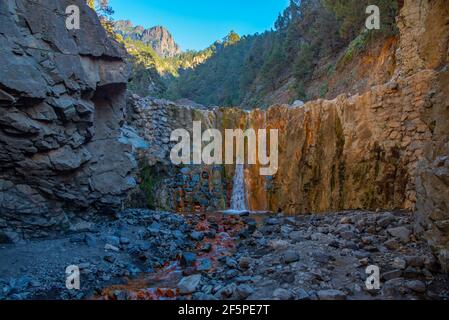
(238, 199)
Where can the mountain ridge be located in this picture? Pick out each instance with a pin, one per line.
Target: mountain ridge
(158, 37)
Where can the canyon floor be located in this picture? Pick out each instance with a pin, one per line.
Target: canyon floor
(142, 254)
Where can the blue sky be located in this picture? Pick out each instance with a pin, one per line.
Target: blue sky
(196, 24)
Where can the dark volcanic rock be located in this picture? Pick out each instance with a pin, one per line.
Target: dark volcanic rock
(290, 256)
(62, 102)
(188, 259)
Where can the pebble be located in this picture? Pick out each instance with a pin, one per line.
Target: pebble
(399, 263)
(296, 236)
(113, 240)
(109, 258)
(204, 265)
(243, 291)
(416, 286)
(331, 295)
(188, 259)
(144, 246)
(415, 261)
(188, 285)
(401, 233)
(124, 241)
(392, 244)
(230, 274)
(316, 253)
(207, 247)
(279, 244)
(282, 294)
(386, 220)
(290, 256)
(390, 275)
(109, 247)
(197, 236)
(90, 240)
(244, 263)
(227, 291)
(364, 262)
(302, 295)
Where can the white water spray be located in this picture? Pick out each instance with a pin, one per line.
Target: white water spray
(238, 199)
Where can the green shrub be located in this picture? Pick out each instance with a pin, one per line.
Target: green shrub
(148, 185)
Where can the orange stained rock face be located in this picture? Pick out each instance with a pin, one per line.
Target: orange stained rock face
(358, 151)
(352, 152)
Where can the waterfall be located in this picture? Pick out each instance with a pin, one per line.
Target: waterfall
(238, 199)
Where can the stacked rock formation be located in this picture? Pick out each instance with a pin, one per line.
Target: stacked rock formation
(62, 99)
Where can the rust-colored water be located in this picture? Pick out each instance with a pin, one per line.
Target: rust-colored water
(162, 284)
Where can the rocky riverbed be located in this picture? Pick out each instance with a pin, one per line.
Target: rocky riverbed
(142, 254)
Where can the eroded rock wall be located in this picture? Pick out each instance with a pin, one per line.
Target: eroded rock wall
(349, 153)
(354, 152)
(62, 99)
(425, 45)
(386, 148)
(163, 185)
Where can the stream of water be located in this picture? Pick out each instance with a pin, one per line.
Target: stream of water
(238, 199)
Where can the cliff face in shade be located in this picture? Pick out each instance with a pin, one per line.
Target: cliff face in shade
(62, 98)
(159, 38)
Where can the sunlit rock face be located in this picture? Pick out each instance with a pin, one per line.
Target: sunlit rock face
(425, 45)
(158, 37)
(358, 152)
(385, 148)
(348, 153)
(62, 99)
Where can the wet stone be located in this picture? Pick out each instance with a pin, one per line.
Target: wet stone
(290, 256)
(188, 259)
(331, 295)
(416, 286)
(188, 285)
(204, 265)
(197, 236)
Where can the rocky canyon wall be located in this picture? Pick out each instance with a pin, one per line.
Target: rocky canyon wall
(163, 185)
(425, 45)
(68, 145)
(354, 152)
(62, 100)
(386, 148)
